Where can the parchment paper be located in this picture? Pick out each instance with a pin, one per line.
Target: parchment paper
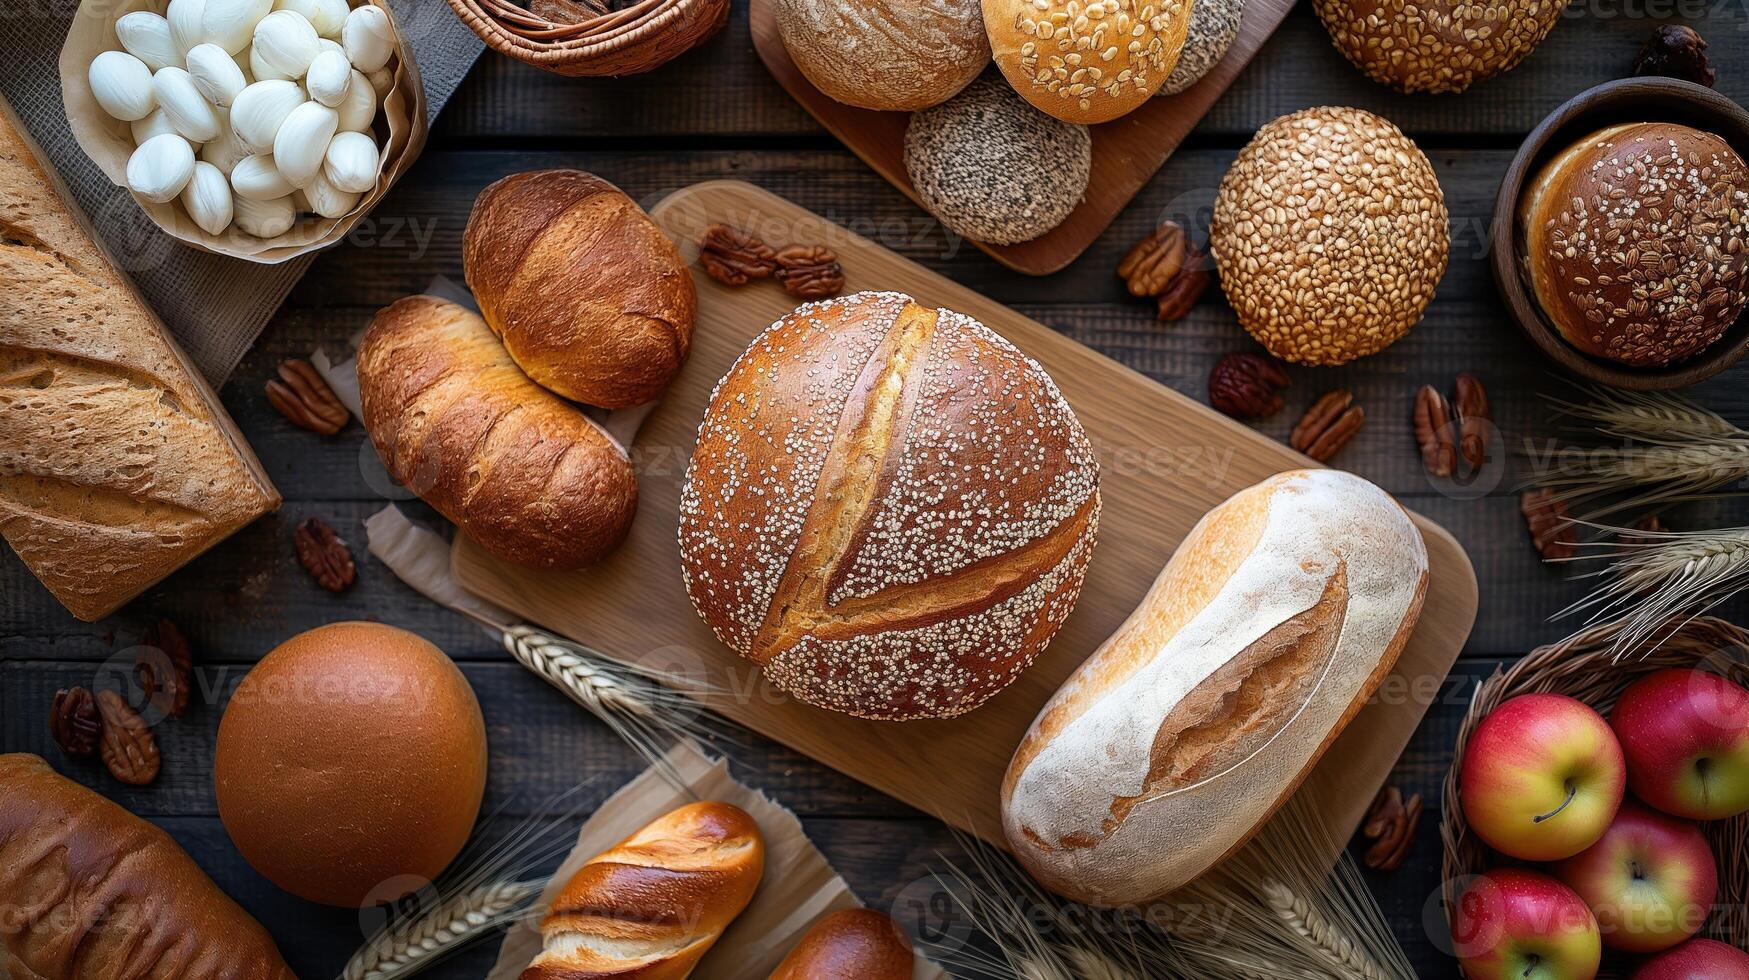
(799, 885)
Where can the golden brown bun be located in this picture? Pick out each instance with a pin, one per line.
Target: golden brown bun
(851, 944)
(1087, 61)
(1436, 45)
(592, 300)
(890, 509)
(1276, 619)
(1655, 217)
(885, 54)
(88, 891)
(350, 764)
(118, 464)
(521, 471)
(1330, 233)
(650, 907)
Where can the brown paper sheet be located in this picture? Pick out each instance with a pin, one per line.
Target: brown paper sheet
(799, 885)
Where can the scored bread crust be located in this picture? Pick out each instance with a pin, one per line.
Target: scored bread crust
(890, 508)
(1632, 242)
(896, 55)
(1275, 620)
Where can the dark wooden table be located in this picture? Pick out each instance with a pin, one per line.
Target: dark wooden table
(716, 114)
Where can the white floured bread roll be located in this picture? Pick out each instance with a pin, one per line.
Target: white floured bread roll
(886, 54)
(1276, 619)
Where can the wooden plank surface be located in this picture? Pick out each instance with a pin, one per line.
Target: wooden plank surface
(633, 605)
(718, 113)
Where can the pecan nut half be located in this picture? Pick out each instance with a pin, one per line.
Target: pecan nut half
(1551, 529)
(325, 555)
(302, 396)
(164, 668)
(1247, 386)
(74, 722)
(1475, 420)
(1433, 431)
(810, 271)
(732, 256)
(1391, 827)
(1328, 425)
(1168, 268)
(129, 748)
(1678, 52)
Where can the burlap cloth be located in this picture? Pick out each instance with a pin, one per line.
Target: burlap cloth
(215, 305)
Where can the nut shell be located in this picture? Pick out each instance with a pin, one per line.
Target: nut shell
(1436, 45)
(1330, 233)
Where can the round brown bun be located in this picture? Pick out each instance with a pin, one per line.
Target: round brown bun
(1438, 45)
(1087, 61)
(350, 764)
(1632, 241)
(850, 943)
(890, 508)
(591, 299)
(1330, 234)
(885, 54)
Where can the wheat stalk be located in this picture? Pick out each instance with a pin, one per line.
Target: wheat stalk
(1310, 924)
(408, 947)
(1659, 578)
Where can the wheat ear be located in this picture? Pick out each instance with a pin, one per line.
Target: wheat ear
(1656, 578)
(1674, 449)
(1303, 918)
(408, 947)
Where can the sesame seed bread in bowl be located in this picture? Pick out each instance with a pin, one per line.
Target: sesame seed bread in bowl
(1569, 128)
(898, 55)
(890, 509)
(1436, 45)
(1633, 242)
(1272, 624)
(1087, 61)
(1330, 234)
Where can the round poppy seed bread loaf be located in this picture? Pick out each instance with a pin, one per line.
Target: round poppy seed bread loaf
(1330, 234)
(890, 509)
(885, 54)
(1436, 45)
(1632, 242)
(1214, 25)
(995, 169)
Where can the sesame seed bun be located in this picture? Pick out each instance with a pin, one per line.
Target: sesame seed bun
(1632, 241)
(1439, 45)
(1087, 61)
(1330, 233)
(890, 508)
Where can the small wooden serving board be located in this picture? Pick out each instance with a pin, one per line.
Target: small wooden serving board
(1165, 460)
(1126, 152)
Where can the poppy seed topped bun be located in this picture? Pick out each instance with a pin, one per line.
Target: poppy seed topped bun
(1330, 233)
(1633, 242)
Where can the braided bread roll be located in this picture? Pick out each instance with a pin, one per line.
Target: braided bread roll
(653, 905)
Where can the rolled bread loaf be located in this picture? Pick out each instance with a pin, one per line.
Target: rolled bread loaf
(1276, 619)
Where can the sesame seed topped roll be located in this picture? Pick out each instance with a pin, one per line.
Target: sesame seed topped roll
(890, 508)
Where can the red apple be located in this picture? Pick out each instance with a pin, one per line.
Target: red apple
(1651, 880)
(1697, 959)
(1543, 777)
(1685, 734)
(1526, 926)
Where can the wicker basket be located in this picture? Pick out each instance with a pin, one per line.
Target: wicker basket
(1584, 667)
(582, 38)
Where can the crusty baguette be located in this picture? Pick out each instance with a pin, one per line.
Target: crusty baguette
(651, 907)
(890, 508)
(850, 944)
(117, 463)
(520, 470)
(1276, 619)
(88, 891)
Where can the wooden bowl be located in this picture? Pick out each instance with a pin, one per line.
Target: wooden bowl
(587, 38)
(1624, 100)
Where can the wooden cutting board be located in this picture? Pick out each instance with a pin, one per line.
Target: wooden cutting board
(1165, 460)
(1126, 152)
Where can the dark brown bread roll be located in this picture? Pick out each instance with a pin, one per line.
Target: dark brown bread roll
(1633, 242)
(850, 944)
(890, 508)
(592, 300)
(88, 891)
(653, 905)
(521, 471)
